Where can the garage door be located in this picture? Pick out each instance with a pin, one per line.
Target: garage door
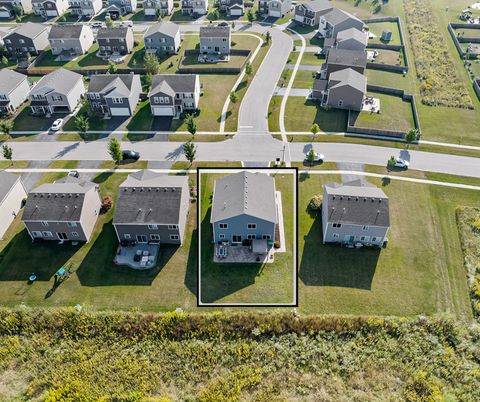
(149, 11)
(163, 111)
(276, 14)
(5, 14)
(120, 111)
(236, 11)
(52, 13)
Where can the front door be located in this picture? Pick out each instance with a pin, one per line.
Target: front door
(142, 238)
(236, 239)
(115, 49)
(62, 236)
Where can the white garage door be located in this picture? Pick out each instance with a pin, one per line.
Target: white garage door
(236, 11)
(52, 13)
(120, 111)
(276, 14)
(149, 11)
(163, 111)
(4, 14)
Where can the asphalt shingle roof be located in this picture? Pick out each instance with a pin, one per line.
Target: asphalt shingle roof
(244, 193)
(347, 77)
(336, 15)
(112, 33)
(29, 29)
(166, 28)
(347, 57)
(105, 83)
(70, 31)
(214, 31)
(318, 5)
(60, 80)
(7, 181)
(352, 33)
(176, 82)
(9, 80)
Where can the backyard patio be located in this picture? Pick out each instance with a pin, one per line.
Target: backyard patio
(259, 252)
(139, 256)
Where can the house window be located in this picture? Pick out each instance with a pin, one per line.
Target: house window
(172, 227)
(223, 225)
(251, 225)
(57, 98)
(221, 236)
(340, 103)
(36, 233)
(266, 237)
(44, 223)
(155, 237)
(160, 99)
(365, 228)
(117, 100)
(153, 227)
(97, 96)
(75, 234)
(337, 225)
(72, 224)
(127, 236)
(251, 236)
(47, 234)
(174, 237)
(374, 239)
(335, 235)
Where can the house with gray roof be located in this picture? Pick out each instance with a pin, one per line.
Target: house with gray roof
(274, 8)
(8, 7)
(244, 207)
(162, 38)
(215, 39)
(115, 41)
(173, 94)
(66, 210)
(194, 8)
(114, 94)
(152, 208)
(70, 40)
(339, 59)
(158, 7)
(12, 194)
(349, 39)
(232, 7)
(116, 8)
(355, 212)
(57, 92)
(14, 89)
(309, 13)
(29, 38)
(49, 8)
(85, 8)
(336, 20)
(344, 89)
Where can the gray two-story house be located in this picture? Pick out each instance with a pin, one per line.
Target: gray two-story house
(29, 38)
(309, 13)
(215, 39)
(114, 94)
(8, 8)
(158, 7)
(116, 8)
(274, 8)
(57, 92)
(337, 20)
(162, 38)
(114, 41)
(355, 212)
(14, 89)
(349, 39)
(85, 8)
(49, 8)
(173, 94)
(232, 7)
(194, 8)
(70, 40)
(12, 194)
(66, 210)
(339, 59)
(152, 208)
(244, 208)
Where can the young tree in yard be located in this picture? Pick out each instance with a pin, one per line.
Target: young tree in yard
(268, 37)
(148, 82)
(233, 97)
(191, 124)
(215, 15)
(6, 126)
(152, 65)
(233, 25)
(411, 136)
(115, 151)
(250, 16)
(7, 152)
(82, 123)
(190, 151)
(248, 69)
(314, 130)
(112, 67)
(311, 156)
(108, 22)
(391, 163)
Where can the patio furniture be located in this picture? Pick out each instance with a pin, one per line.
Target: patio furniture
(138, 252)
(32, 278)
(145, 252)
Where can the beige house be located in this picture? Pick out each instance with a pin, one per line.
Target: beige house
(12, 194)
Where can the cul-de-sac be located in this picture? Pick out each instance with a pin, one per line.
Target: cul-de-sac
(232, 200)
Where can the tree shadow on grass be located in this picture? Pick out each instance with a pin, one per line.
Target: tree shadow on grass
(331, 265)
(192, 264)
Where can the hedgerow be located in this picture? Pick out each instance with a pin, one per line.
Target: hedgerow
(66, 355)
(441, 84)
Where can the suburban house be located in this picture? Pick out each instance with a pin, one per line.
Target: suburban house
(12, 194)
(309, 13)
(339, 59)
(215, 39)
(355, 212)
(86, 8)
(336, 20)
(65, 210)
(117, 8)
(70, 40)
(29, 38)
(14, 89)
(8, 7)
(274, 8)
(349, 39)
(49, 8)
(57, 92)
(162, 38)
(158, 7)
(232, 7)
(194, 8)
(114, 94)
(244, 208)
(152, 208)
(115, 41)
(173, 94)
(344, 89)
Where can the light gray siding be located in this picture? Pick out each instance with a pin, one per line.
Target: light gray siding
(163, 44)
(10, 206)
(345, 97)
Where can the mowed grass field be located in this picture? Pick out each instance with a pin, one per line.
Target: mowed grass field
(248, 283)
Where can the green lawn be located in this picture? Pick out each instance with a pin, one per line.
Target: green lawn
(247, 283)
(184, 165)
(312, 59)
(396, 114)
(390, 79)
(468, 33)
(53, 176)
(378, 27)
(95, 123)
(303, 79)
(274, 113)
(391, 57)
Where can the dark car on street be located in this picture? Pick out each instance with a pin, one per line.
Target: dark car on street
(130, 155)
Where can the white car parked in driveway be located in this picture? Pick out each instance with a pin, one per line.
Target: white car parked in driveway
(317, 157)
(57, 125)
(401, 163)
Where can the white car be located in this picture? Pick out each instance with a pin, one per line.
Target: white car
(402, 163)
(57, 124)
(318, 157)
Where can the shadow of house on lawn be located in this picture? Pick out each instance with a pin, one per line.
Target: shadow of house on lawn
(331, 265)
(190, 280)
(21, 257)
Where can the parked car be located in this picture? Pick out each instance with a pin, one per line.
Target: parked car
(130, 155)
(126, 24)
(74, 173)
(318, 157)
(402, 163)
(57, 125)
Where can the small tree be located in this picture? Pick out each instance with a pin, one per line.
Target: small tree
(215, 15)
(411, 136)
(314, 130)
(62, 19)
(115, 151)
(191, 124)
(311, 156)
(4, 61)
(6, 126)
(7, 152)
(248, 69)
(268, 37)
(82, 123)
(315, 203)
(391, 162)
(250, 16)
(233, 25)
(233, 97)
(112, 67)
(108, 22)
(158, 15)
(190, 151)
(152, 66)
(148, 81)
